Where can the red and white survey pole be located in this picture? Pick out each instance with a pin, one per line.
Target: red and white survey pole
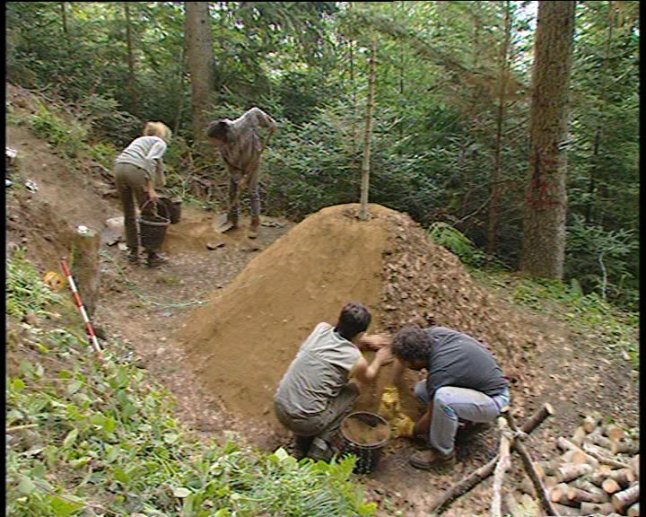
(80, 306)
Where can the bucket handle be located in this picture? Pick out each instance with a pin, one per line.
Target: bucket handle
(156, 205)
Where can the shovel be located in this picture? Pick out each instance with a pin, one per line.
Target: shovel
(223, 223)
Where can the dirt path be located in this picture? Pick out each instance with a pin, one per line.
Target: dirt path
(146, 308)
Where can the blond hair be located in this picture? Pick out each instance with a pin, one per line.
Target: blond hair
(158, 129)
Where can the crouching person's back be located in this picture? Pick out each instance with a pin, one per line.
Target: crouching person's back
(317, 393)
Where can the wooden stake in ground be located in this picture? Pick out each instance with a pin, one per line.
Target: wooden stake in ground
(365, 169)
(504, 462)
(84, 262)
(440, 504)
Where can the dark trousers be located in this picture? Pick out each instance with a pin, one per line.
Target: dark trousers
(234, 197)
(131, 182)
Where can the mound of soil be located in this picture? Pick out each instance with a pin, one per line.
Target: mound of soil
(244, 339)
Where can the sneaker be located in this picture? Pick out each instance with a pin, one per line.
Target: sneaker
(133, 256)
(430, 458)
(155, 259)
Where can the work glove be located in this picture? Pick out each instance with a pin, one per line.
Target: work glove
(402, 425)
(389, 406)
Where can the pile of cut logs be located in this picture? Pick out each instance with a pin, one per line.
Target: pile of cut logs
(597, 473)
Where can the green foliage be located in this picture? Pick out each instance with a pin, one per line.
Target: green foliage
(85, 435)
(603, 255)
(457, 243)
(588, 314)
(65, 133)
(25, 292)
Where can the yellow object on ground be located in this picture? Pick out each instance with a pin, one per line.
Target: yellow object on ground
(55, 281)
(389, 406)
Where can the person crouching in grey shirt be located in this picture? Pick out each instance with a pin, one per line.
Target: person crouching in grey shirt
(318, 391)
(464, 382)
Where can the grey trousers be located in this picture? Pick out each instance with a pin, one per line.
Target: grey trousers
(451, 403)
(324, 425)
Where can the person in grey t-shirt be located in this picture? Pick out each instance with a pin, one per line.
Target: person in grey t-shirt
(317, 392)
(464, 382)
(241, 145)
(138, 170)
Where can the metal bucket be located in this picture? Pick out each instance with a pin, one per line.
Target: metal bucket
(152, 226)
(367, 454)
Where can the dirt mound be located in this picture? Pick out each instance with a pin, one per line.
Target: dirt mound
(242, 341)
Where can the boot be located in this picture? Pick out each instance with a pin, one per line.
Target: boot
(133, 256)
(430, 458)
(155, 259)
(253, 227)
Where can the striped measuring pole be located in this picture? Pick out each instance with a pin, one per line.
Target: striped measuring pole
(80, 306)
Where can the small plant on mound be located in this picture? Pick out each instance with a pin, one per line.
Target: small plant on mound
(87, 437)
(457, 243)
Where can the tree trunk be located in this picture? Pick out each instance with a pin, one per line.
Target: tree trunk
(365, 169)
(132, 80)
(603, 81)
(500, 120)
(64, 19)
(543, 247)
(199, 50)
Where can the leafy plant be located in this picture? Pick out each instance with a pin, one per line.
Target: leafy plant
(65, 133)
(455, 241)
(25, 290)
(87, 436)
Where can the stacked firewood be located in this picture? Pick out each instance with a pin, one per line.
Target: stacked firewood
(597, 472)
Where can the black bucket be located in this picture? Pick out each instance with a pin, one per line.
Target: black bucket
(174, 208)
(367, 454)
(152, 226)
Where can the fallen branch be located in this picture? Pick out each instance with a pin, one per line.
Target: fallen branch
(531, 471)
(485, 471)
(504, 462)
(596, 452)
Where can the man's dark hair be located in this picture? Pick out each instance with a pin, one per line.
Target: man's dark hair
(412, 344)
(353, 320)
(218, 129)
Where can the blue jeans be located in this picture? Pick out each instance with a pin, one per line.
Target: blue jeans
(451, 403)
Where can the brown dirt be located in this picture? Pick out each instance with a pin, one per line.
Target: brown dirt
(362, 432)
(263, 303)
(242, 342)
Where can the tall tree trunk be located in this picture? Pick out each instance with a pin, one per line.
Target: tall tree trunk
(180, 89)
(500, 121)
(132, 79)
(199, 50)
(64, 19)
(603, 81)
(543, 247)
(365, 169)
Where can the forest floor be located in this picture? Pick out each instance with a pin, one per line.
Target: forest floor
(148, 307)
